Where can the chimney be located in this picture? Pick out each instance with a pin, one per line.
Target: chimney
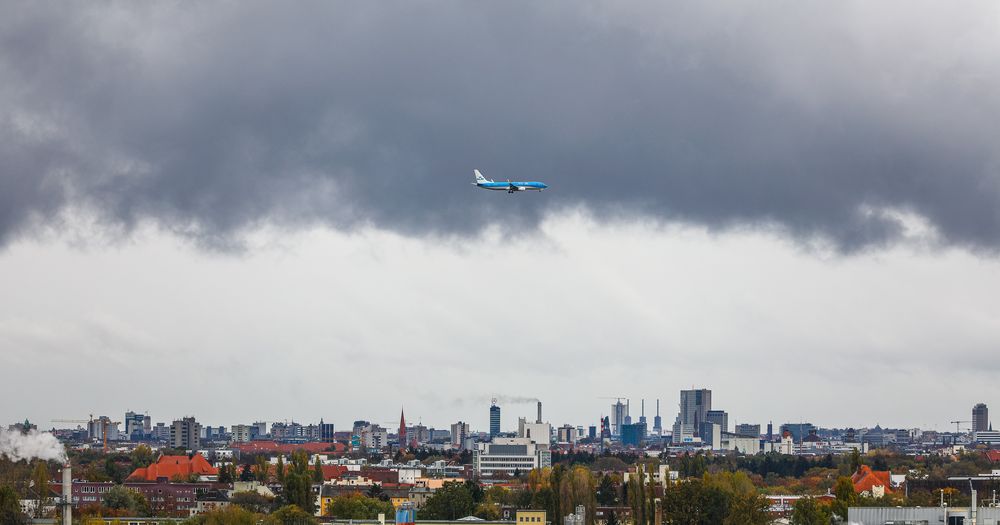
(539, 412)
(67, 494)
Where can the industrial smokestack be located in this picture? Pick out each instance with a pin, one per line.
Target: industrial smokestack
(67, 494)
(539, 412)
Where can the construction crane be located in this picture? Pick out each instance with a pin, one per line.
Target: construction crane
(958, 423)
(105, 421)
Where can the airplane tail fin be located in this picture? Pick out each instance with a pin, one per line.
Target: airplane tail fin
(480, 178)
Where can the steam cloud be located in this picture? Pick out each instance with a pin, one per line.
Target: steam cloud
(34, 444)
(500, 399)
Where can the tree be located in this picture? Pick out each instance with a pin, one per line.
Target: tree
(694, 503)
(290, 515)
(747, 509)
(142, 457)
(354, 506)
(261, 468)
(40, 482)
(577, 487)
(450, 502)
(279, 470)
(10, 508)
(317, 471)
(607, 492)
(230, 515)
(846, 497)
(121, 499)
(807, 511)
(227, 473)
(252, 501)
(855, 460)
(246, 473)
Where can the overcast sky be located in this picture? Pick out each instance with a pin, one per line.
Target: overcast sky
(250, 211)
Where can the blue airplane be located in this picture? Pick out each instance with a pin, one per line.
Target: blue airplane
(509, 186)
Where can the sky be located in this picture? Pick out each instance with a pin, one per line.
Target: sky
(256, 211)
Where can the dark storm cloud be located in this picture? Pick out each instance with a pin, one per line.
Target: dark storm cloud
(211, 118)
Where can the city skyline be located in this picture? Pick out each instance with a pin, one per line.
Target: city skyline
(193, 208)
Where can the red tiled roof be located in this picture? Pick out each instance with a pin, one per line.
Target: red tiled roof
(333, 471)
(866, 478)
(993, 455)
(175, 466)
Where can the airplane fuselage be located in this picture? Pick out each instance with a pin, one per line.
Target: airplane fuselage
(513, 186)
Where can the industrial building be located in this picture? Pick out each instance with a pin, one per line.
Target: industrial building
(509, 456)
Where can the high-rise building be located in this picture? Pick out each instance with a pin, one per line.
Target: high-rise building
(326, 432)
(137, 426)
(459, 433)
(605, 427)
(494, 419)
(657, 421)
(592, 432)
(619, 411)
(719, 417)
(770, 431)
(798, 431)
(185, 434)
(694, 408)
(746, 429)
(980, 418)
(634, 435)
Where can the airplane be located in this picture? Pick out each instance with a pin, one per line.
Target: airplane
(511, 187)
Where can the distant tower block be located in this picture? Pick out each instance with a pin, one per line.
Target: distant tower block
(494, 419)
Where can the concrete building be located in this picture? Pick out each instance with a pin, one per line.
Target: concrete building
(567, 434)
(510, 455)
(719, 417)
(459, 434)
(137, 426)
(619, 411)
(740, 443)
(980, 417)
(538, 432)
(928, 515)
(711, 434)
(240, 434)
(746, 429)
(694, 407)
(185, 434)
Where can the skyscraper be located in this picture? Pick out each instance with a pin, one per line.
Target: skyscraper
(980, 418)
(619, 411)
(494, 419)
(719, 417)
(694, 408)
(185, 434)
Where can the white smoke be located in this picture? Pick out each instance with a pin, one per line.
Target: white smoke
(33, 444)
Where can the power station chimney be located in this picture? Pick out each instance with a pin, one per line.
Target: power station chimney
(67, 494)
(539, 412)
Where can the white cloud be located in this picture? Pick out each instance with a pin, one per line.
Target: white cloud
(347, 326)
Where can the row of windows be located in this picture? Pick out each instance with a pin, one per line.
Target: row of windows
(529, 519)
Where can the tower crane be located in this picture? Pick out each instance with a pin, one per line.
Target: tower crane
(958, 423)
(105, 421)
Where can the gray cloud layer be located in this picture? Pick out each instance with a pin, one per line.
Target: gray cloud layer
(211, 118)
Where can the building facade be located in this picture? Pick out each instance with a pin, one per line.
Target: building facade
(510, 456)
(980, 418)
(185, 434)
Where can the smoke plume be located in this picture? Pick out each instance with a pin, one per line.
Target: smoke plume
(33, 444)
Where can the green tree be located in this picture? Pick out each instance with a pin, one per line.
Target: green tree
(279, 470)
(855, 460)
(142, 457)
(450, 502)
(10, 508)
(694, 503)
(40, 486)
(261, 468)
(227, 473)
(846, 498)
(747, 509)
(357, 507)
(120, 498)
(252, 501)
(317, 475)
(290, 515)
(807, 511)
(607, 492)
(246, 473)
(577, 487)
(230, 515)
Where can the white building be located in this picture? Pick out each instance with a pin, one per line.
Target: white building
(537, 432)
(510, 455)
